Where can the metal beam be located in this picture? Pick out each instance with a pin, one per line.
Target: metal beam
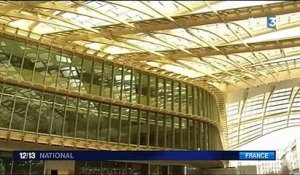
(241, 110)
(128, 5)
(207, 51)
(60, 18)
(158, 11)
(94, 38)
(197, 19)
(103, 13)
(207, 74)
(191, 8)
(265, 106)
(163, 43)
(254, 33)
(258, 118)
(291, 101)
(274, 59)
(13, 14)
(64, 8)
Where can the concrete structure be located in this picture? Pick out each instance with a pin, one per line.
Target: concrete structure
(157, 75)
(291, 156)
(269, 167)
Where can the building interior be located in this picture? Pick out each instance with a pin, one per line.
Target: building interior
(144, 75)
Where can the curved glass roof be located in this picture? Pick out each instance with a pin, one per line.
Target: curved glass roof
(262, 113)
(219, 42)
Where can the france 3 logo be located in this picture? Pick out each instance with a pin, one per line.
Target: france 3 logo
(271, 22)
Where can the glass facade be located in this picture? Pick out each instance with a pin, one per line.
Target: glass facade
(44, 112)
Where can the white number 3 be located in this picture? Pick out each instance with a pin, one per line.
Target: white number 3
(272, 21)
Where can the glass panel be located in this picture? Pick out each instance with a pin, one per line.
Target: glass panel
(214, 110)
(153, 91)
(6, 50)
(48, 63)
(161, 130)
(183, 98)
(161, 94)
(7, 105)
(169, 95)
(124, 125)
(134, 127)
(117, 83)
(82, 118)
(177, 132)
(127, 81)
(33, 111)
(190, 99)
(17, 60)
(176, 97)
(136, 87)
(104, 122)
(28, 63)
(46, 113)
(153, 129)
(192, 134)
(109, 121)
(144, 88)
(52, 67)
(93, 121)
(65, 71)
(185, 133)
(38, 59)
(211, 106)
(107, 80)
(208, 105)
(58, 115)
(197, 135)
(204, 102)
(200, 102)
(203, 136)
(74, 73)
(114, 126)
(86, 75)
(169, 131)
(97, 78)
(144, 128)
(206, 136)
(70, 115)
(196, 102)
(19, 113)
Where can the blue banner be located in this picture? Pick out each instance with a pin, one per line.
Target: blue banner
(257, 155)
(144, 155)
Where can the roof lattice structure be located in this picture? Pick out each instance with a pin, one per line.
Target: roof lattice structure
(218, 42)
